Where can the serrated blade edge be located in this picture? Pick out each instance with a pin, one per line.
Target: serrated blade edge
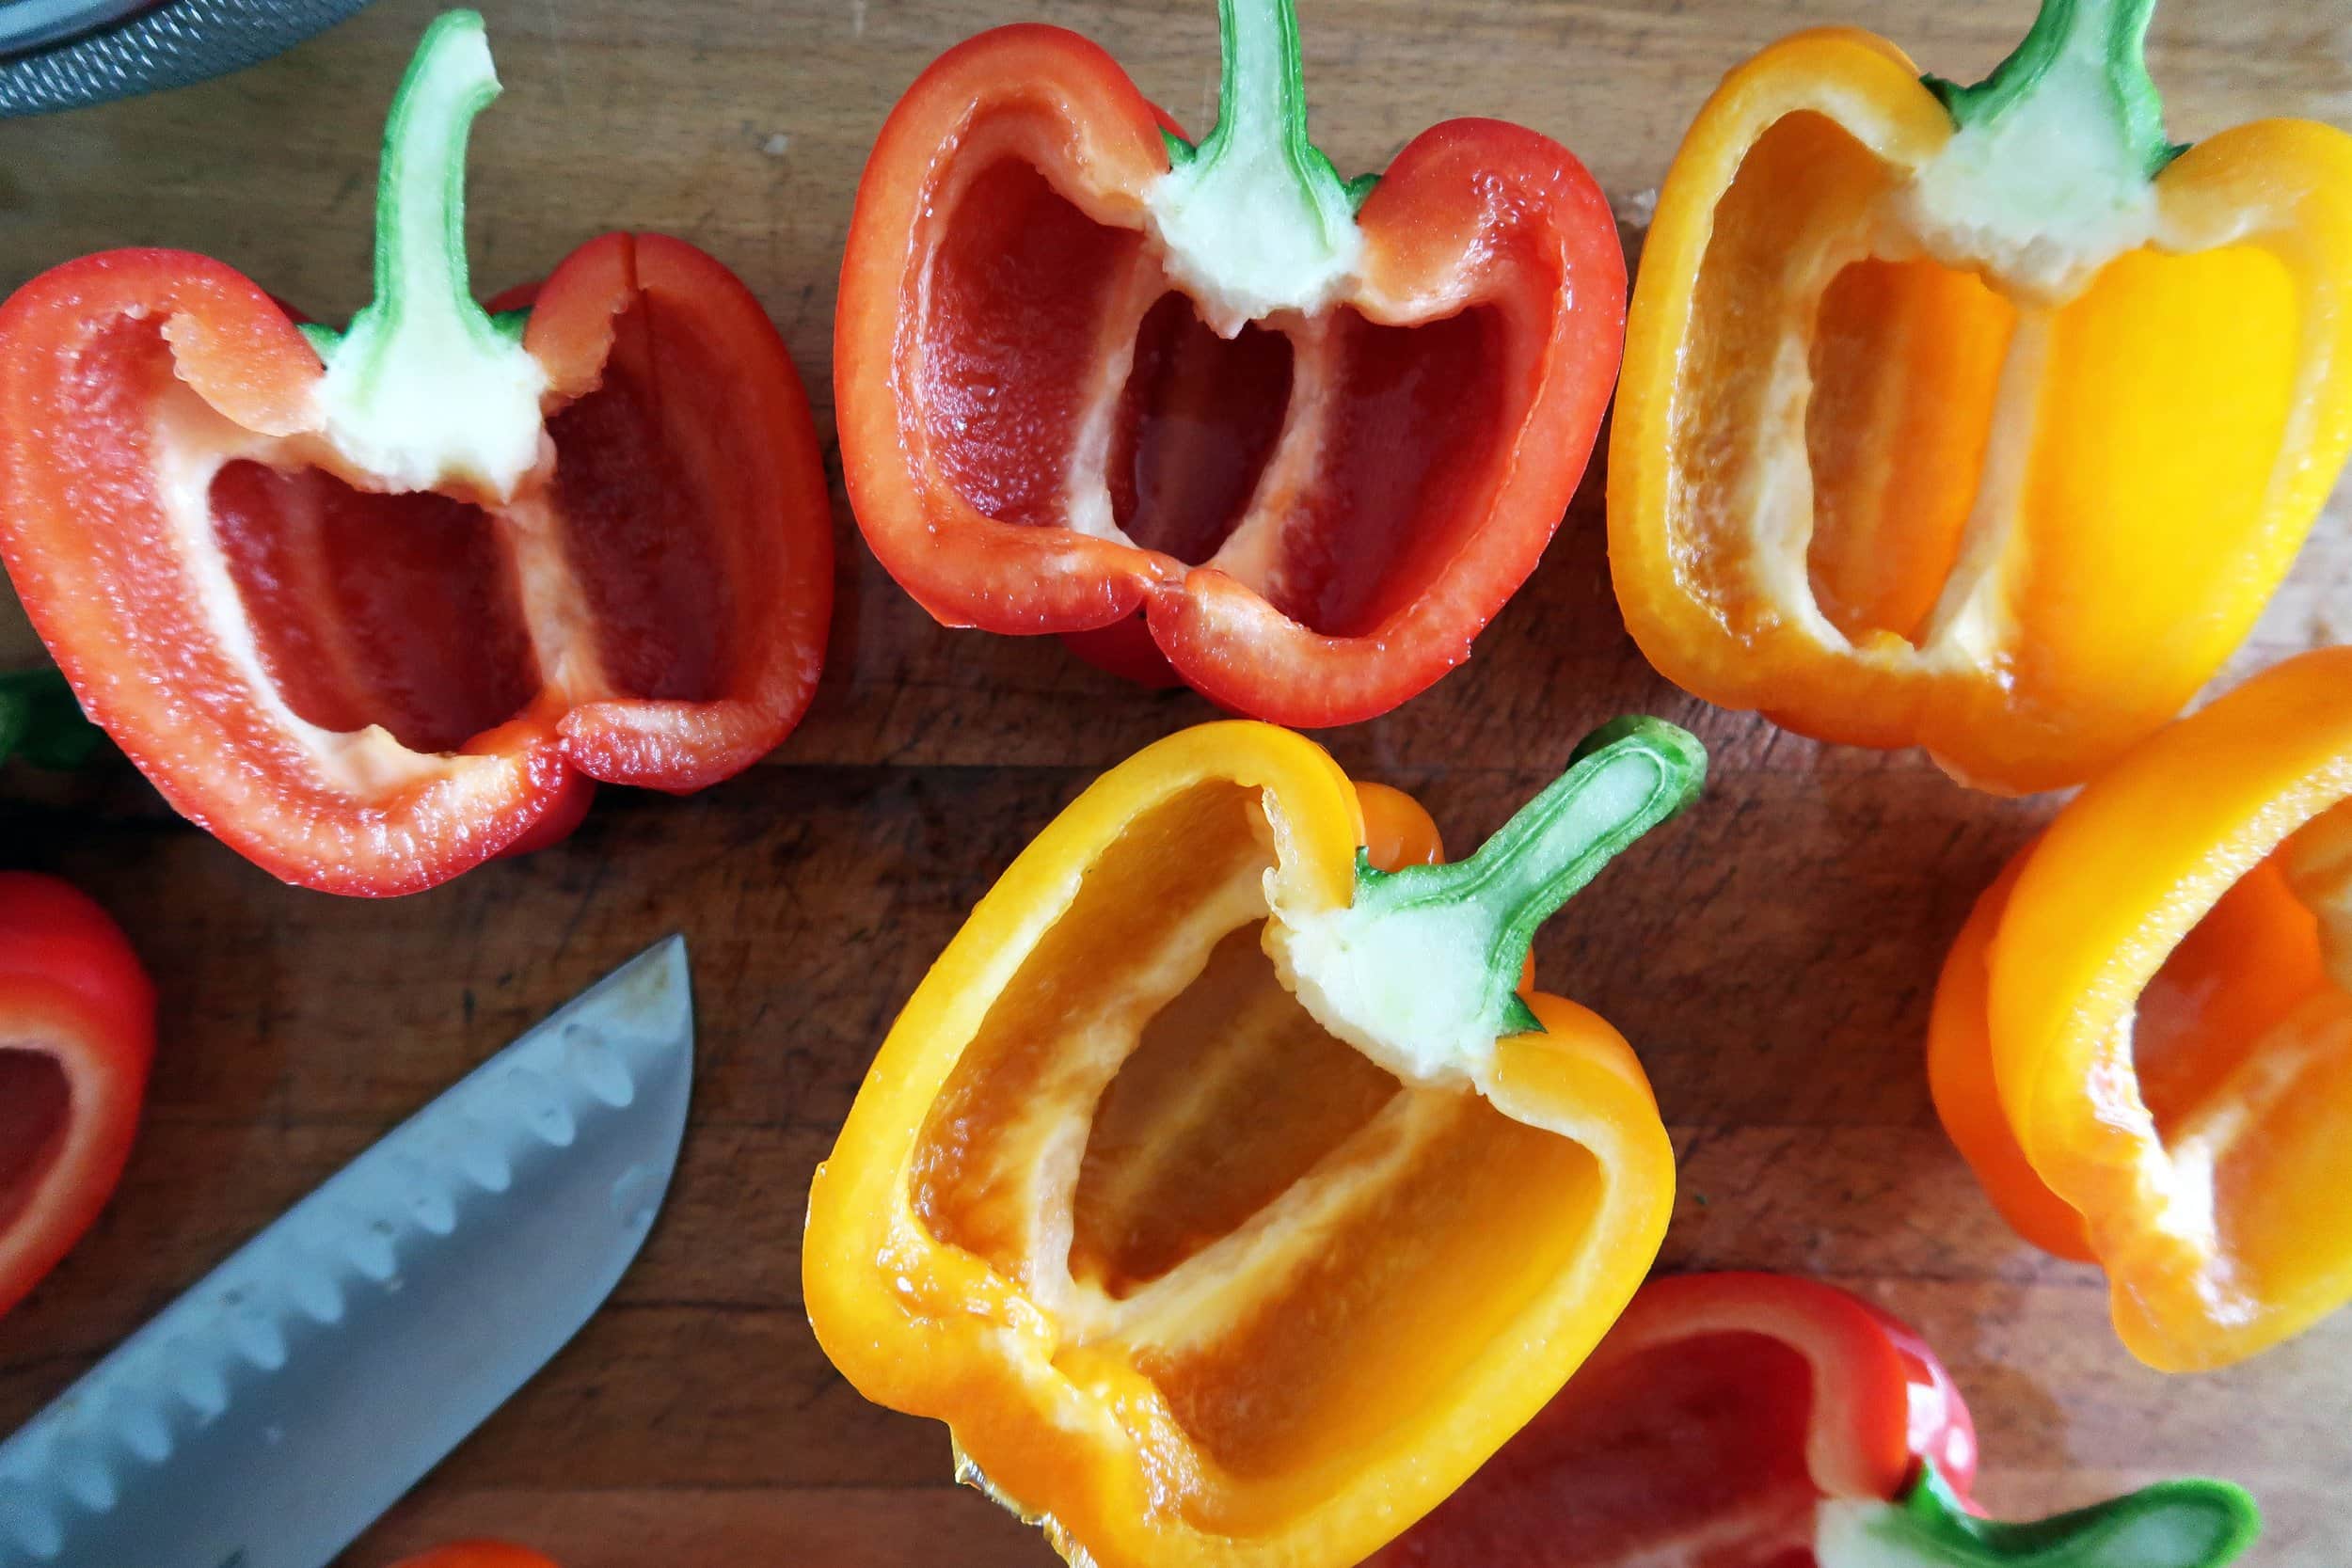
(275, 1409)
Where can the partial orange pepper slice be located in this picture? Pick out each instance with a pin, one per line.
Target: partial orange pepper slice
(1977, 419)
(1223, 1190)
(2142, 1041)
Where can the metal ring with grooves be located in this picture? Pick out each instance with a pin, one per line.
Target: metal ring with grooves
(168, 46)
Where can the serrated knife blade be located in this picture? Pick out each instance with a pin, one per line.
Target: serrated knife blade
(269, 1414)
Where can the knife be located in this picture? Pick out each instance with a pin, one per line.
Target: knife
(264, 1419)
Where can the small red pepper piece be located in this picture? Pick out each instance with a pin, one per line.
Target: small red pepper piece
(1757, 1420)
(77, 1030)
(373, 606)
(1211, 408)
(478, 1554)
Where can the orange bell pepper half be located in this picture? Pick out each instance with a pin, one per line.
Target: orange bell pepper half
(1221, 1190)
(2142, 1040)
(1979, 419)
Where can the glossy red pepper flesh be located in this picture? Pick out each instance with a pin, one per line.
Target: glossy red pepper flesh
(77, 1032)
(1309, 519)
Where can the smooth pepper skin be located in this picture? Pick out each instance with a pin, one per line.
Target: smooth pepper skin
(365, 682)
(77, 1032)
(2142, 1040)
(1758, 1420)
(1307, 522)
(478, 1554)
(1890, 492)
(1190, 1280)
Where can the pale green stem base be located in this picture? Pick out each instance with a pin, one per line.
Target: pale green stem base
(2175, 1524)
(425, 391)
(1421, 971)
(1256, 220)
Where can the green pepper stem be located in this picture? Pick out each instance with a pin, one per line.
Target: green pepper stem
(1624, 779)
(426, 390)
(1255, 219)
(422, 277)
(421, 185)
(1261, 82)
(2070, 38)
(2191, 1523)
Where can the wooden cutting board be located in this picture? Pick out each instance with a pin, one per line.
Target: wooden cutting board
(1772, 956)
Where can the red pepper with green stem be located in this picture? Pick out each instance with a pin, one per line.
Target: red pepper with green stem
(77, 1031)
(376, 605)
(1757, 1420)
(1214, 411)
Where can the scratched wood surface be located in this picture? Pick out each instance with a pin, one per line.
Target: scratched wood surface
(1772, 956)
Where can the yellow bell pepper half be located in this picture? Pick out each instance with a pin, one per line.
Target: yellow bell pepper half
(1981, 419)
(1224, 1193)
(2142, 1040)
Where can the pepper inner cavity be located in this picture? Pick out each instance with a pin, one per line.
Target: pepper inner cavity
(1157, 1143)
(1333, 462)
(1878, 432)
(367, 608)
(1196, 423)
(36, 1104)
(1233, 1092)
(1043, 1152)
(1906, 363)
(438, 619)
(2237, 1045)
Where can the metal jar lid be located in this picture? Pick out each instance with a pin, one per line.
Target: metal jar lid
(58, 54)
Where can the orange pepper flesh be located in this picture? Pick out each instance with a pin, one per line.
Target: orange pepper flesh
(1891, 500)
(1190, 1279)
(2142, 1043)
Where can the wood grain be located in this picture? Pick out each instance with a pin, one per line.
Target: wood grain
(1771, 954)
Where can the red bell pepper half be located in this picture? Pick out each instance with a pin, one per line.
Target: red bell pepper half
(373, 606)
(1210, 407)
(1754, 1420)
(77, 1030)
